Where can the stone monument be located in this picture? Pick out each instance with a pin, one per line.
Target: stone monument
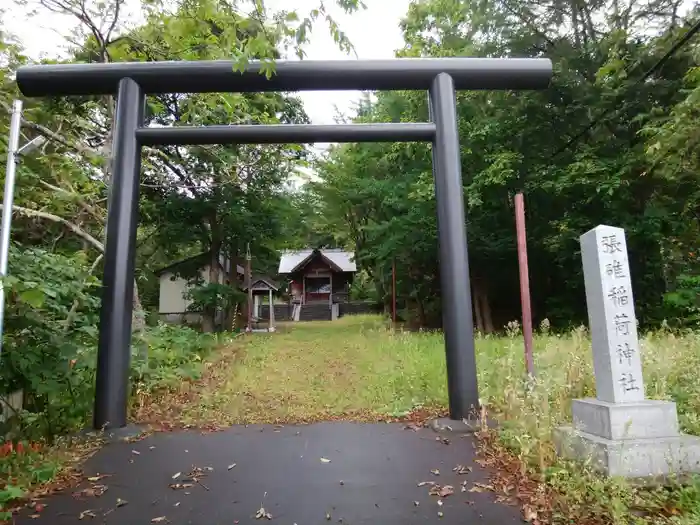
(620, 431)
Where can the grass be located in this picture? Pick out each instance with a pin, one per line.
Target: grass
(356, 368)
(352, 368)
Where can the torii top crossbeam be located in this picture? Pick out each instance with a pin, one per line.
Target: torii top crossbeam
(305, 75)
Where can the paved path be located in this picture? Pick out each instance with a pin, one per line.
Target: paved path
(281, 470)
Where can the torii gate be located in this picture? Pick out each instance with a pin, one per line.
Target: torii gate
(131, 82)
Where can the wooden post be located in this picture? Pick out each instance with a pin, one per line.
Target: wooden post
(524, 281)
(249, 279)
(271, 326)
(393, 291)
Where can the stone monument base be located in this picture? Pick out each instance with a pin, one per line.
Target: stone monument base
(634, 440)
(631, 458)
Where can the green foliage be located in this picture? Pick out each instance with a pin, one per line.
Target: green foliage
(682, 305)
(50, 339)
(50, 329)
(213, 297)
(636, 168)
(173, 354)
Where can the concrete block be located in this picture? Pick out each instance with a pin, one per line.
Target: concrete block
(634, 420)
(631, 458)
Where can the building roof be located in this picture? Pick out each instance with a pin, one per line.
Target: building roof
(292, 260)
(199, 261)
(262, 279)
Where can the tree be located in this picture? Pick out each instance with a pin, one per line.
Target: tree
(575, 175)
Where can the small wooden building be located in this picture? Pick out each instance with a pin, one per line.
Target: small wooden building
(262, 287)
(319, 275)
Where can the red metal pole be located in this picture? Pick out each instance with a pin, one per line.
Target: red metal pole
(524, 281)
(393, 291)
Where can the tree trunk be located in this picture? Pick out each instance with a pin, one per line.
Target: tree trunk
(138, 316)
(422, 320)
(209, 311)
(477, 307)
(486, 311)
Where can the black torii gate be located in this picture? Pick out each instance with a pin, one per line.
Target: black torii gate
(131, 82)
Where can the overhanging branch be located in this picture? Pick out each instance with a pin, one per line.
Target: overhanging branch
(60, 220)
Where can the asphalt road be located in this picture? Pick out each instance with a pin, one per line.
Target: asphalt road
(369, 474)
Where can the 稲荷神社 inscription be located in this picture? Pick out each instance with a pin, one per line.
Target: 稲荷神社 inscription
(613, 325)
(620, 431)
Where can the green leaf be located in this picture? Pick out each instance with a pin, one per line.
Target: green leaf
(34, 297)
(11, 493)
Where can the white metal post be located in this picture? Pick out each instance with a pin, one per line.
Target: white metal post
(8, 197)
(271, 326)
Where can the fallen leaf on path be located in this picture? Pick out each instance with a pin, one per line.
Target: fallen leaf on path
(424, 483)
(342, 482)
(90, 492)
(416, 503)
(39, 507)
(176, 475)
(529, 514)
(443, 440)
(151, 447)
(178, 504)
(177, 486)
(324, 460)
(447, 490)
(480, 487)
(35, 516)
(412, 426)
(328, 516)
(98, 477)
(262, 514)
(136, 452)
(463, 488)
(440, 514)
(461, 469)
(159, 519)
(86, 514)
(435, 471)
(121, 502)
(231, 466)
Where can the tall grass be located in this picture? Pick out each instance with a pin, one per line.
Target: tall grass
(530, 410)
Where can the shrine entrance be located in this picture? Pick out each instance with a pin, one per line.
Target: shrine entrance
(317, 289)
(131, 82)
